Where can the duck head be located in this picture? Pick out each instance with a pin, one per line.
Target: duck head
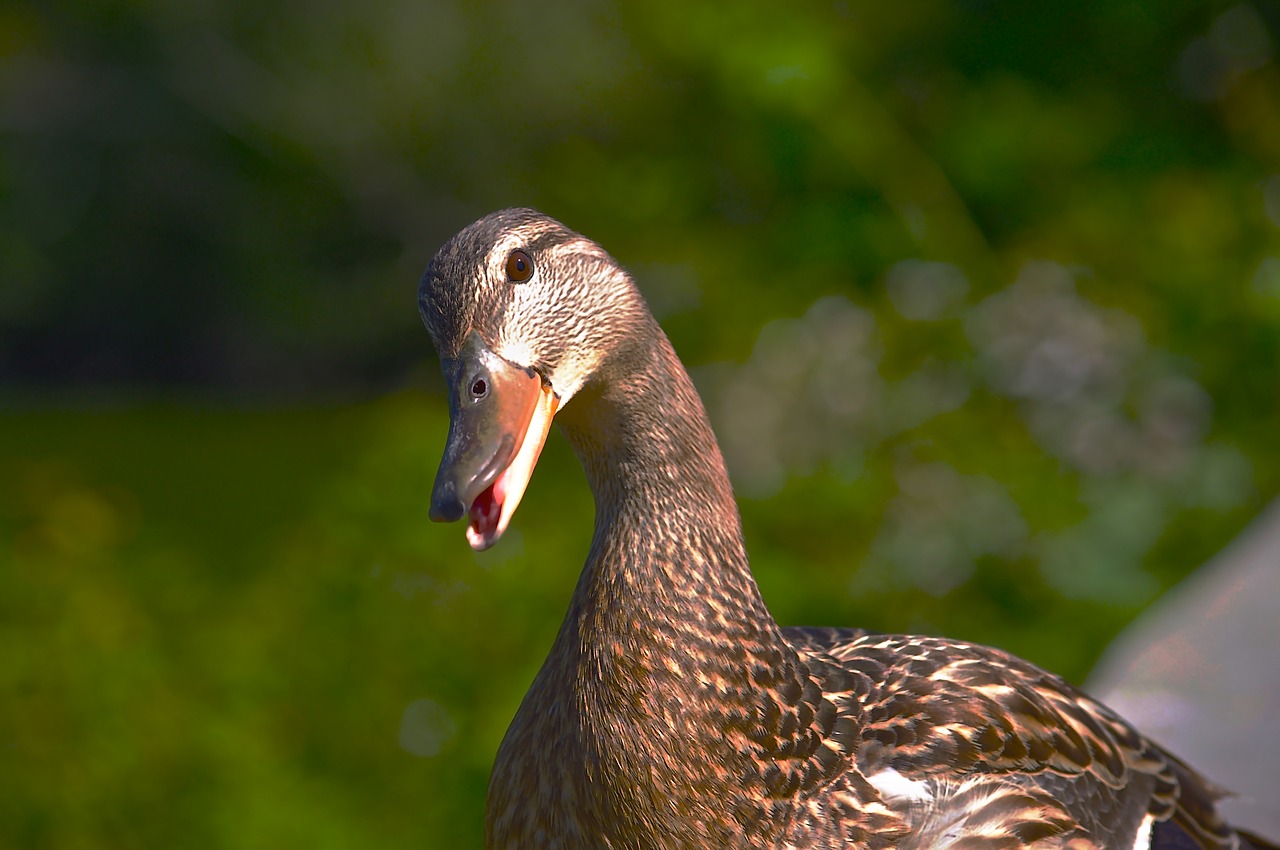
(523, 313)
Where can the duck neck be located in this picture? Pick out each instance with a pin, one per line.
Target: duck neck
(668, 676)
(666, 611)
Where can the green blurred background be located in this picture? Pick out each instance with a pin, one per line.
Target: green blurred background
(984, 299)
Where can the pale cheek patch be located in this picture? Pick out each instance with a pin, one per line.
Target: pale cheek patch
(514, 350)
(572, 373)
(519, 328)
(569, 375)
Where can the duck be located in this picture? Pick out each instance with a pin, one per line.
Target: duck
(672, 710)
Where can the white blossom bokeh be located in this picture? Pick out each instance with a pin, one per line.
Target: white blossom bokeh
(1127, 422)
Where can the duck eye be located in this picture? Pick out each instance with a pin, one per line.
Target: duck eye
(479, 389)
(519, 266)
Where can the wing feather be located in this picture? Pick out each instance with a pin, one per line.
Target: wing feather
(999, 741)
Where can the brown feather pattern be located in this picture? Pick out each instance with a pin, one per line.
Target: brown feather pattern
(673, 712)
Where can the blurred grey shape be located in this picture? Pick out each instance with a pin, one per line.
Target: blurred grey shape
(1237, 42)
(1200, 673)
(924, 291)
(425, 727)
(938, 526)
(811, 394)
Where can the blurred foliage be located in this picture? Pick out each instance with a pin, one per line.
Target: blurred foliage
(984, 298)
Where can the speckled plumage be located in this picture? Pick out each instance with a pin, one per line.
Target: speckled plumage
(673, 712)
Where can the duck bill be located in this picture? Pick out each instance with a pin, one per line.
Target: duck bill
(499, 418)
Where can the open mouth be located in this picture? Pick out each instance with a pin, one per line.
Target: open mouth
(492, 509)
(486, 511)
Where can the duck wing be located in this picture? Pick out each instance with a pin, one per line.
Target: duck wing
(976, 748)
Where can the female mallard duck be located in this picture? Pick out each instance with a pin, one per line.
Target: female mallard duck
(673, 712)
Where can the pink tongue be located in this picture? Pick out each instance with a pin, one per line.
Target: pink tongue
(484, 513)
(486, 510)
